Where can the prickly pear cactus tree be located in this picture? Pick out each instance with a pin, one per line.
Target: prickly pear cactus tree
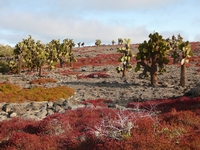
(79, 44)
(152, 55)
(113, 42)
(29, 56)
(98, 42)
(40, 56)
(19, 51)
(82, 44)
(180, 51)
(72, 58)
(125, 58)
(63, 52)
(52, 49)
(174, 42)
(120, 41)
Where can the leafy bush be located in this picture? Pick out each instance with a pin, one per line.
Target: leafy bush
(4, 68)
(6, 51)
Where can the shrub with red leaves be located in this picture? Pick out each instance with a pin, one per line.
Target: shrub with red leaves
(104, 128)
(165, 105)
(97, 102)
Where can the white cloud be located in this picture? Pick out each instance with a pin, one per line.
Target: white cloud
(88, 20)
(46, 28)
(111, 5)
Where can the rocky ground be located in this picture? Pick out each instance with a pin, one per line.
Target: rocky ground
(120, 91)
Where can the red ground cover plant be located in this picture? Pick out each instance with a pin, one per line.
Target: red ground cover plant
(43, 81)
(68, 72)
(165, 105)
(98, 60)
(97, 102)
(104, 128)
(101, 74)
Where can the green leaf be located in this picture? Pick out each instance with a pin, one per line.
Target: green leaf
(138, 56)
(129, 67)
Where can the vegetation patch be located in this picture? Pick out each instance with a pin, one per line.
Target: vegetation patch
(104, 128)
(12, 93)
(165, 105)
(43, 81)
(94, 75)
(68, 72)
(97, 102)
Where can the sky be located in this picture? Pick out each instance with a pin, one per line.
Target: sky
(89, 20)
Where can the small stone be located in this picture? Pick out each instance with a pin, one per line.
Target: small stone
(13, 115)
(7, 108)
(83, 69)
(50, 104)
(50, 112)
(77, 106)
(41, 114)
(96, 76)
(59, 102)
(59, 109)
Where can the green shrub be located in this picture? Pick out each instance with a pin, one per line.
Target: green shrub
(4, 68)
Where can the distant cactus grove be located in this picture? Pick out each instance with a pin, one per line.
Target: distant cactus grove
(152, 56)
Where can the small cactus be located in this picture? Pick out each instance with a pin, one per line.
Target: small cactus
(98, 42)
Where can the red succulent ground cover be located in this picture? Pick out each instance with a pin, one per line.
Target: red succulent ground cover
(97, 128)
(98, 60)
(101, 74)
(97, 102)
(165, 105)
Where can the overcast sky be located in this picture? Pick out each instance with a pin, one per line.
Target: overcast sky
(88, 20)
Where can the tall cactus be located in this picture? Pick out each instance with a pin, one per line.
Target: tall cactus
(181, 51)
(41, 56)
(63, 52)
(120, 41)
(152, 55)
(29, 56)
(174, 42)
(18, 52)
(125, 58)
(72, 58)
(52, 49)
(113, 42)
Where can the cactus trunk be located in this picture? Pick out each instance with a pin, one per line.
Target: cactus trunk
(153, 78)
(20, 64)
(70, 59)
(40, 71)
(61, 63)
(124, 71)
(183, 76)
(71, 63)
